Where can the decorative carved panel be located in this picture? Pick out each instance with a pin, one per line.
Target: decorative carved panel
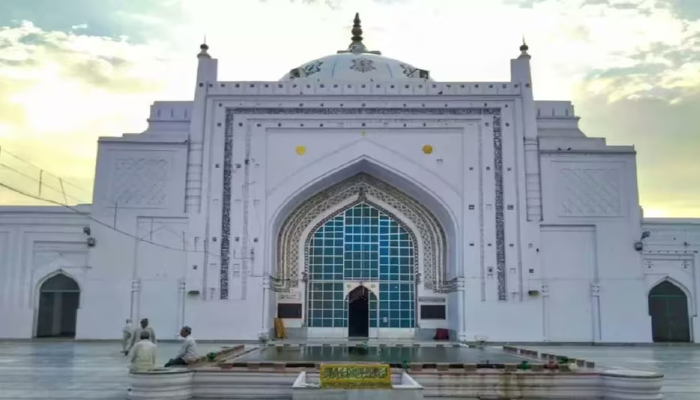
(589, 192)
(140, 182)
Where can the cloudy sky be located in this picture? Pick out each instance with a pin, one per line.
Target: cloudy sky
(74, 70)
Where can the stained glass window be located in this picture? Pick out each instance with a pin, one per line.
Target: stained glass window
(361, 244)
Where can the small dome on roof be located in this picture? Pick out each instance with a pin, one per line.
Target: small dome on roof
(357, 64)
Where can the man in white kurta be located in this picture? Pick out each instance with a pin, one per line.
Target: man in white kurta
(137, 333)
(188, 349)
(127, 331)
(143, 355)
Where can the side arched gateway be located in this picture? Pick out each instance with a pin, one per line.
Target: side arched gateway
(668, 307)
(59, 299)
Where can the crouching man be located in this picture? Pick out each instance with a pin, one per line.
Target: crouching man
(188, 350)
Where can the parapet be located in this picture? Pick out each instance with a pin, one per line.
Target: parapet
(344, 88)
(555, 109)
(174, 111)
(557, 119)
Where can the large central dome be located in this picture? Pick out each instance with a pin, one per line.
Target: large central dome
(357, 64)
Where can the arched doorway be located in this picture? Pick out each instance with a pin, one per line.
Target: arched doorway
(361, 243)
(59, 298)
(668, 307)
(362, 308)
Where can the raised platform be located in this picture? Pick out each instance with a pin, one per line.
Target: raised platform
(307, 387)
(536, 380)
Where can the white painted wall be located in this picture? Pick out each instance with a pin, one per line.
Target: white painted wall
(570, 211)
(35, 243)
(671, 252)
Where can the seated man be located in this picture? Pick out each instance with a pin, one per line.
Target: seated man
(188, 350)
(143, 355)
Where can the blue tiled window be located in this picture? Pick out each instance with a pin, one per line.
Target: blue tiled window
(361, 244)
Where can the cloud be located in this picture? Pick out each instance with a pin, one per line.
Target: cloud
(60, 91)
(666, 140)
(81, 69)
(142, 19)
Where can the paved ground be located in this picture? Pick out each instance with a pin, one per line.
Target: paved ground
(69, 370)
(680, 365)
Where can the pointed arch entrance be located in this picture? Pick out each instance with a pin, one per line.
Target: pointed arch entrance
(59, 299)
(362, 312)
(668, 307)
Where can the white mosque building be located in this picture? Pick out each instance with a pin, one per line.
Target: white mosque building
(356, 197)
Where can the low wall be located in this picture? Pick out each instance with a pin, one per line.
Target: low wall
(307, 387)
(239, 383)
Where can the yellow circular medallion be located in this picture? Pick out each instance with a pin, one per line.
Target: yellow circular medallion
(301, 150)
(427, 149)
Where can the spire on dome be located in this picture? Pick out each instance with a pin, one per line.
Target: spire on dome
(356, 46)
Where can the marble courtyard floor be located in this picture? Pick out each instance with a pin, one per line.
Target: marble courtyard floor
(51, 370)
(96, 370)
(680, 364)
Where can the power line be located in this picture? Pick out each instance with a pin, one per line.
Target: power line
(41, 183)
(544, 280)
(41, 180)
(88, 216)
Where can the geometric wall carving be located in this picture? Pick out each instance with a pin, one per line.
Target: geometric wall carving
(499, 206)
(590, 192)
(140, 182)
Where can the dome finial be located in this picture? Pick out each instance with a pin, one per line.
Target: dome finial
(524, 48)
(356, 46)
(357, 28)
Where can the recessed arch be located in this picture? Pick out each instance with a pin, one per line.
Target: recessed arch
(669, 311)
(57, 305)
(362, 187)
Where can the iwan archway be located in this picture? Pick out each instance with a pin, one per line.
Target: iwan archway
(361, 246)
(59, 299)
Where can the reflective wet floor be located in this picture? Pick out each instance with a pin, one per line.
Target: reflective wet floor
(680, 365)
(389, 355)
(51, 370)
(69, 370)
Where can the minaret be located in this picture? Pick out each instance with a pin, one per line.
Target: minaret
(207, 67)
(206, 76)
(194, 197)
(521, 75)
